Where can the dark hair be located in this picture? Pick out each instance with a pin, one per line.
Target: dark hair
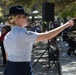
(8, 28)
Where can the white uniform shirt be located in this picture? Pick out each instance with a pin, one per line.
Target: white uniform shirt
(18, 44)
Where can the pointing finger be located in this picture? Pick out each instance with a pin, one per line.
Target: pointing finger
(73, 19)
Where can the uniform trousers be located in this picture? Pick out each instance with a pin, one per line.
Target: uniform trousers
(18, 68)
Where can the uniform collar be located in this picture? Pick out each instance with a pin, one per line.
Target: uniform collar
(17, 27)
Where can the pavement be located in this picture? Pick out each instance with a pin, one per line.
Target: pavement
(1, 68)
(41, 66)
(67, 64)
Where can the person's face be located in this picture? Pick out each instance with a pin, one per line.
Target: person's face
(3, 30)
(23, 20)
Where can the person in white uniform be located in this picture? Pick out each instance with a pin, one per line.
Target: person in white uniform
(18, 42)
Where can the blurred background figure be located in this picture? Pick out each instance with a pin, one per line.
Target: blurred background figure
(4, 31)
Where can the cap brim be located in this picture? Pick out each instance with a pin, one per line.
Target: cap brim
(26, 14)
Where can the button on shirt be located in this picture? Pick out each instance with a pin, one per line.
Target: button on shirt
(18, 44)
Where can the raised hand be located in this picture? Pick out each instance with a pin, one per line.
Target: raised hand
(70, 22)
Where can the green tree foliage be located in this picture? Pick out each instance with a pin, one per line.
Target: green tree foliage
(62, 7)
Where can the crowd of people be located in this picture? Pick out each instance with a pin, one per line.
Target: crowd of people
(5, 29)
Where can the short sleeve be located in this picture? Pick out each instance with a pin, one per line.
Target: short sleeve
(31, 36)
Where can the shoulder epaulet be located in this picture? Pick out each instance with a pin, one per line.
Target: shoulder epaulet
(29, 33)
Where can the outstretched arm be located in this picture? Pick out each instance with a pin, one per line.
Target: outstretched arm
(52, 33)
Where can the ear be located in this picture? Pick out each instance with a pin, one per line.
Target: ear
(17, 18)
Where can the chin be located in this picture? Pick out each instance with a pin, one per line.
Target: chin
(25, 25)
